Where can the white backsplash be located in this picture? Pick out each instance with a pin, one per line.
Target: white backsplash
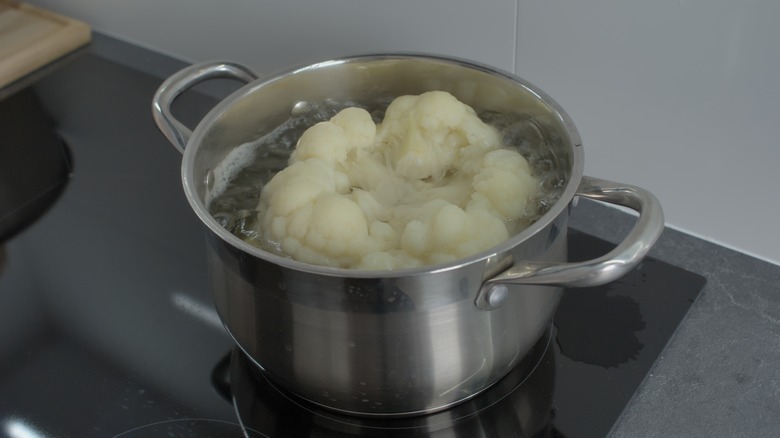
(275, 34)
(682, 97)
(679, 96)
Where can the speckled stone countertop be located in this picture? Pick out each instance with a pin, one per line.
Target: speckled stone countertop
(720, 373)
(719, 376)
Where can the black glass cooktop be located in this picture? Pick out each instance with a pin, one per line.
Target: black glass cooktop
(575, 382)
(107, 327)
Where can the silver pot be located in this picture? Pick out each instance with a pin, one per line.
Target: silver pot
(401, 342)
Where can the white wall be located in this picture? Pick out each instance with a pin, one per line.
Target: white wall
(269, 35)
(679, 96)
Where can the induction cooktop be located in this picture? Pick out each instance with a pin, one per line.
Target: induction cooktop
(107, 327)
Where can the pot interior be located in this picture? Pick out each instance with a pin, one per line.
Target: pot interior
(539, 128)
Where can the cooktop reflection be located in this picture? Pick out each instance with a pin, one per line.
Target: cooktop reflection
(574, 383)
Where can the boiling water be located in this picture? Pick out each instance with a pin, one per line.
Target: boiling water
(239, 179)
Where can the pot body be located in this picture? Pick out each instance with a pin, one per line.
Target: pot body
(505, 409)
(401, 342)
(389, 346)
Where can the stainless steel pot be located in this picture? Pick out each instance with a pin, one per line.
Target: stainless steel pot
(408, 341)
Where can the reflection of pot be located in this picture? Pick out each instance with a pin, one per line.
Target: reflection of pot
(520, 404)
(399, 342)
(34, 162)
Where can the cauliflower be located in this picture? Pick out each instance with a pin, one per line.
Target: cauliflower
(430, 184)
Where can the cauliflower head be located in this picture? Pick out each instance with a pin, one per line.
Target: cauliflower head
(430, 184)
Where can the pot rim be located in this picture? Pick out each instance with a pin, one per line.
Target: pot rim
(554, 211)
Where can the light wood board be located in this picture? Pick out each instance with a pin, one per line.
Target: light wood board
(31, 37)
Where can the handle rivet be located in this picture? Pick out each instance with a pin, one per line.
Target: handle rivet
(497, 295)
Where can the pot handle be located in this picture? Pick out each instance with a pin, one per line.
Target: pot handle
(602, 270)
(173, 129)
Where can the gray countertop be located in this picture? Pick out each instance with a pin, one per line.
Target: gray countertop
(720, 373)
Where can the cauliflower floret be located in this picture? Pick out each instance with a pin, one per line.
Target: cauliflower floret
(431, 184)
(504, 178)
(358, 127)
(445, 231)
(340, 225)
(450, 224)
(298, 184)
(419, 134)
(325, 140)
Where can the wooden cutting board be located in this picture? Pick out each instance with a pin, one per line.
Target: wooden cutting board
(31, 37)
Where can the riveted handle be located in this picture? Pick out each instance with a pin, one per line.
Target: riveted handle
(176, 132)
(602, 270)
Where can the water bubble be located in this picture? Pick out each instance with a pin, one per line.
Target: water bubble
(224, 219)
(300, 108)
(209, 180)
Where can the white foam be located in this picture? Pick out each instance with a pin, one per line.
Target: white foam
(236, 159)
